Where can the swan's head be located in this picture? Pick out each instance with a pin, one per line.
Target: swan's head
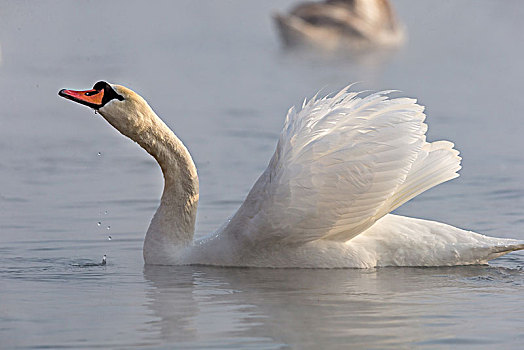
(124, 109)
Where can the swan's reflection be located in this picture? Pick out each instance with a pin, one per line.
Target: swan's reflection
(172, 300)
(304, 307)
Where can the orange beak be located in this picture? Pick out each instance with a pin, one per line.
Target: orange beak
(91, 98)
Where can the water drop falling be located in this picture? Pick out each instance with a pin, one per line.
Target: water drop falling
(109, 238)
(108, 227)
(99, 154)
(105, 212)
(98, 223)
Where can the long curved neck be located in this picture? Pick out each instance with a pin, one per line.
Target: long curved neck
(174, 220)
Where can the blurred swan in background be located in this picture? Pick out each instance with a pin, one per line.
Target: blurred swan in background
(342, 164)
(335, 25)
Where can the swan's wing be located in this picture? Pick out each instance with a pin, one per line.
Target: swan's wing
(341, 163)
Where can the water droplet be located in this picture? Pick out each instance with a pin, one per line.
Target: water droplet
(104, 260)
(105, 213)
(109, 238)
(108, 227)
(99, 154)
(98, 223)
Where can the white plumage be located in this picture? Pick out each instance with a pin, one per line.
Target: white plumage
(342, 164)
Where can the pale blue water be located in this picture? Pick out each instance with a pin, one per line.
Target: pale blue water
(216, 73)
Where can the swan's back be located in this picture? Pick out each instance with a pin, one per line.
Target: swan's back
(342, 164)
(341, 25)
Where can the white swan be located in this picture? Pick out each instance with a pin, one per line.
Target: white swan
(342, 163)
(341, 25)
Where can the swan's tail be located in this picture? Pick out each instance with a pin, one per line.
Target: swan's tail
(500, 250)
(434, 243)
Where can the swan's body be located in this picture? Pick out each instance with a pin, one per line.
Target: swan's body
(342, 164)
(341, 25)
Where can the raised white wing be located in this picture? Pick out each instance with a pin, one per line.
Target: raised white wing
(341, 163)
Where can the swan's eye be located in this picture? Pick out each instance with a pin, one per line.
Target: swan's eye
(92, 92)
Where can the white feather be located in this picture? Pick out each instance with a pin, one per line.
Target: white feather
(342, 163)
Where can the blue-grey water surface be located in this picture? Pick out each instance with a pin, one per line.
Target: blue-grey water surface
(216, 73)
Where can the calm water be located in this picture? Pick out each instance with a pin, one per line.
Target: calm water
(216, 73)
